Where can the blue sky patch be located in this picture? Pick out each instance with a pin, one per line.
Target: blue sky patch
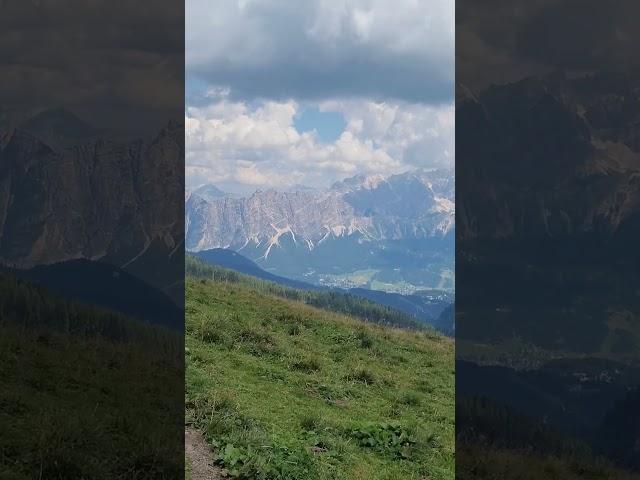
(328, 125)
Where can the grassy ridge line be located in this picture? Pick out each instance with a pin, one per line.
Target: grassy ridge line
(28, 307)
(86, 393)
(334, 301)
(285, 390)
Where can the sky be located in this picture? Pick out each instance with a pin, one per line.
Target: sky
(282, 93)
(515, 39)
(94, 59)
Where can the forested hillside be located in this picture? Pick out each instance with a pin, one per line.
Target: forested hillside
(328, 300)
(424, 305)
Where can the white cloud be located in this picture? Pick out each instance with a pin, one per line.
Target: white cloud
(252, 65)
(242, 148)
(415, 134)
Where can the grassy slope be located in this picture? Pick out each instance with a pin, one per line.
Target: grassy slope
(482, 462)
(288, 391)
(338, 302)
(85, 393)
(85, 408)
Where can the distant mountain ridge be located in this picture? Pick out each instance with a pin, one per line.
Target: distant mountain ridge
(67, 194)
(106, 286)
(549, 224)
(234, 261)
(567, 134)
(59, 128)
(411, 205)
(399, 228)
(209, 193)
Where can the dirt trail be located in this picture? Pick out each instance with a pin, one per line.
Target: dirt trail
(200, 456)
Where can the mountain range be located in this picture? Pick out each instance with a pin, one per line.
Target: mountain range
(577, 145)
(547, 229)
(67, 192)
(392, 233)
(547, 304)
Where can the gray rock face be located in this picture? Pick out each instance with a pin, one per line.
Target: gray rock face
(413, 205)
(574, 140)
(95, 200)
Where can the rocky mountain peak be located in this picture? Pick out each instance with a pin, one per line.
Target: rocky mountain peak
(59, 128)
(208, 192)
(95, 200)
(560, 133)
(371, 207)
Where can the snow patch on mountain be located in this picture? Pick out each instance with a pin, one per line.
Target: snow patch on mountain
(275, 239)
(412, 205)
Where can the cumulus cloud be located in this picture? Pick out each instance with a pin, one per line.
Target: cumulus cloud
(95, 59)
(514, 39)
(241, 147)
(254, 66)
(324, 48)
(416, 135)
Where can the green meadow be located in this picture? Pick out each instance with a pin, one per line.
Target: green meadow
(284, 390)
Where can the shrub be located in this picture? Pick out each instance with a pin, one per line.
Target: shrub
(306, 365)
(310, 423)
(257, 343)
(410, 398)
(365, 339)
(361, 375)
(293, 329)
(386, 438)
